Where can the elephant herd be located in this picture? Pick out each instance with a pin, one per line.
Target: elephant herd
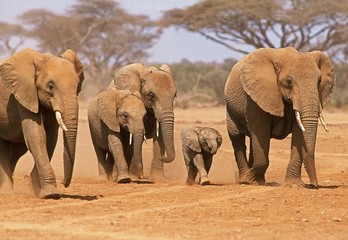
(269, 93)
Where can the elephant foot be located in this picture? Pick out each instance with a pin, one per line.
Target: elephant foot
(293, 182)
(260, 180)
(157, 176)
(246, 178)
(205, 181)
(190, 181)
(123, 179)
(50, 193)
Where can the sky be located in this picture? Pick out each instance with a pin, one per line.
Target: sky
(174, 44)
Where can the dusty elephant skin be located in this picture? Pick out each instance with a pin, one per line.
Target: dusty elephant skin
(116, 117)
(199, 144)
(39, 94)
(158, 91)
(271, 93)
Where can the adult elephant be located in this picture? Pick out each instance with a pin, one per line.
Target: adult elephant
(158, 90)
(115, 117)
(38, 94)
(271, 93)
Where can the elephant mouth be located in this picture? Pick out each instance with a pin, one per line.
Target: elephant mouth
(300, 124)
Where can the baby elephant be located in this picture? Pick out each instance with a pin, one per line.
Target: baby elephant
(116, 118)
(199, 144)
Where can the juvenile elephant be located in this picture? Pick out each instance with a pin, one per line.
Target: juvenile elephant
(158, 91)
(271, 93)
(115, 117)
(38, 94)
(199, 144)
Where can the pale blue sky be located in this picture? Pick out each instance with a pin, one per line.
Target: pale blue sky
(173, 46)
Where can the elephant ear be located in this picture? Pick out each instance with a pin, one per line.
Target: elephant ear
(328, 77)
(166, 68)
(72, 57)
(189, 137)
(259, 80)
(128, 77)
(107, 109)
(18, 74)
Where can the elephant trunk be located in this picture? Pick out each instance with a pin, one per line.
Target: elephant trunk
(137, 162)
(70, 116)
(309, 117)
(167, 128)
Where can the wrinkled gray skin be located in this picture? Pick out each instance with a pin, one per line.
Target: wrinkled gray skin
(199, 144)
(35, 87)
(112, 116)
(158, 90)
(264, 92)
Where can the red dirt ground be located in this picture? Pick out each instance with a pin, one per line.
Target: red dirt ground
(92, 208)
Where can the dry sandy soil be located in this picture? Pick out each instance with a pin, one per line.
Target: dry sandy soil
(92, 208)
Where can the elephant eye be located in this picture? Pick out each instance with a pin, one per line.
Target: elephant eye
(150, 96)
(50, 86)
(289, 83)
(125, 116)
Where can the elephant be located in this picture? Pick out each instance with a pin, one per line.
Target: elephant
(271, 93)
(158, 90)
(39, 95)
(114, 117)
(199, 145)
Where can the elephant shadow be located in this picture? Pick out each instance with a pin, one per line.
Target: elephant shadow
(83, 198)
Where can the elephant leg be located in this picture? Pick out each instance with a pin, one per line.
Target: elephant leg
(103, 162)
(293, 172)
(260, 143)
(208, 160)
(35, 138)
(191, 173)
(128, 153)
(52, 137)
(157, 168)
(191, 168)
(198, 161)
(116, 148)
(238, 143)
(102, 157)
(6, 179)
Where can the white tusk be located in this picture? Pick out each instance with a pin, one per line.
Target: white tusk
(299, 122)
(60, 121)
(157, 128)
(145, 137)
(130, 138)
(321, 118)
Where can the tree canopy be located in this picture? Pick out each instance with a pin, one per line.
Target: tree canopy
(12, 36)
(245, 25)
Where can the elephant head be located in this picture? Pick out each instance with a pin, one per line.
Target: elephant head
(275, 77)
(158, 91)
(122, 109)
(44, 81)
(202, 139)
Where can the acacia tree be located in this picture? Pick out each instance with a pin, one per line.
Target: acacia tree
(104, 35)
(12, 36)
(244, 25)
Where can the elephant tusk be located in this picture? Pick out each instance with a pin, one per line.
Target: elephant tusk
(157, 128)
(299, 122)
(321, 118)
(145, 137)
(130, 138)
(60, 121)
